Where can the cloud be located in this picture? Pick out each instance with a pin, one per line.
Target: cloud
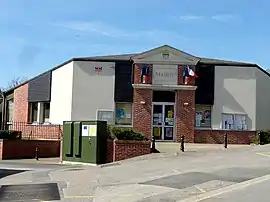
(107, 30)
(191, 17)
(224, 17)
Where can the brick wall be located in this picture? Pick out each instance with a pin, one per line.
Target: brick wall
(21, 104)
(185, 115)
(18, 149)
(118, 150)
(142, 112)
(20, 120)
(217, 136)
(180, 74)
(137, 73)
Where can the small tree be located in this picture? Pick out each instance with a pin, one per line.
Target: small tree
(13, 83)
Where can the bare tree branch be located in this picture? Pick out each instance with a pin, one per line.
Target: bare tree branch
(13, 83)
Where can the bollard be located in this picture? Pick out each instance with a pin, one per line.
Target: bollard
(225, 141)
(37, 153)
(182, 143)
(153, 148)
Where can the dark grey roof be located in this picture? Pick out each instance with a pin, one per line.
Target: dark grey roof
(226, 62)
(126, 57)
(108, 57)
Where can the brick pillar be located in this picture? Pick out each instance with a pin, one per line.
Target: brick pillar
(137, 73)
(142, 112)
(21, 104)
(185, 115)
(180, 74)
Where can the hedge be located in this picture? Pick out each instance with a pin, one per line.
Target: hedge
(10, 134)
(117, 133)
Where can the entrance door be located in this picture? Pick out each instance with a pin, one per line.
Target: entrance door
(163, 121)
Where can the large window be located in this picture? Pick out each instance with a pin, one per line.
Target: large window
(9, 112)
(203, 116)
(39, 112)
(123, 114)
(234, 122)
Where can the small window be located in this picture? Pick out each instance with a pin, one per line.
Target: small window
(234, 122)
(46, 112)
(203, 116)
(105, 115)
(123, 114)
(33, 112)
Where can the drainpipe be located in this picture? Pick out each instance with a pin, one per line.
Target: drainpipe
(3, 109)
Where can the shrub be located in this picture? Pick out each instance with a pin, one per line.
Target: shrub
(124, 134)
(264, 137)
(10, 134)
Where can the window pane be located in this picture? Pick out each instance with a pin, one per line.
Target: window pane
(34, 113)
(203, 116)
(227, 121)
(46, 112)
(123, 114)
(105, 116)
(10, 110)
(240, 122)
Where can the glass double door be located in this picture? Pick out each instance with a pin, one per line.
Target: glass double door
(163, 121)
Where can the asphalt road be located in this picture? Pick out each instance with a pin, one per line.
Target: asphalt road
(257, 192)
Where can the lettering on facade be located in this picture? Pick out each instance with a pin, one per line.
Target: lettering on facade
(164, 74)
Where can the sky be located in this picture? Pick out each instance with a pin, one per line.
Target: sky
(36, 35)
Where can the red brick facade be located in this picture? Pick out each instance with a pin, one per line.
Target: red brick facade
(180, 74)
(217, 136)
(185, 114)
(142, 111)
(118, 150)
(185, 108)
(17, 149)
(137, 73)
(20, 119)
(21, 104)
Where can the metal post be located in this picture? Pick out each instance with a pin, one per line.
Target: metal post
(182, 144)
(37, 153)
(153, 146)
(225, 141)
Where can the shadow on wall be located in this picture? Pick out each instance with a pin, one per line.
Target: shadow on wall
(225, 98)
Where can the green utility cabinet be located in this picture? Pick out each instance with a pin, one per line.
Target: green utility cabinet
(85, 141)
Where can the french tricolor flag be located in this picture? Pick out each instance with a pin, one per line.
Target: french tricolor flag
(188, 74)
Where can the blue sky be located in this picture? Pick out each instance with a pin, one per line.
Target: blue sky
(38, 35)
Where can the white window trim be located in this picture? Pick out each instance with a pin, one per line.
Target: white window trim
(124, 126)
(234, 115)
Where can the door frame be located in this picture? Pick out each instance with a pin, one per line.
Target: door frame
(163, 125)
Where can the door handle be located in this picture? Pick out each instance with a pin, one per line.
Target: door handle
(89, 140)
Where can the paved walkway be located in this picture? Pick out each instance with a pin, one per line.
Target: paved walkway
(156, 177)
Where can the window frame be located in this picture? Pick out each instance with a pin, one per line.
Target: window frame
(211, 121)
(44, 112)
(8, 110)
(106, 110)
(115, 109)
(234, 115)
(30, 112)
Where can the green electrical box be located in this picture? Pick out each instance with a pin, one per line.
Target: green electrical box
(85, 141)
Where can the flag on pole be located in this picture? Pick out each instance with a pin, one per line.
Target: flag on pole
(188, 73)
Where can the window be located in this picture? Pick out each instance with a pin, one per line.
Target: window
(9, 112)
(33, 112)
(203, 116)
(234, 122)
(105, 115)
(123, 114)
(46, 112)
